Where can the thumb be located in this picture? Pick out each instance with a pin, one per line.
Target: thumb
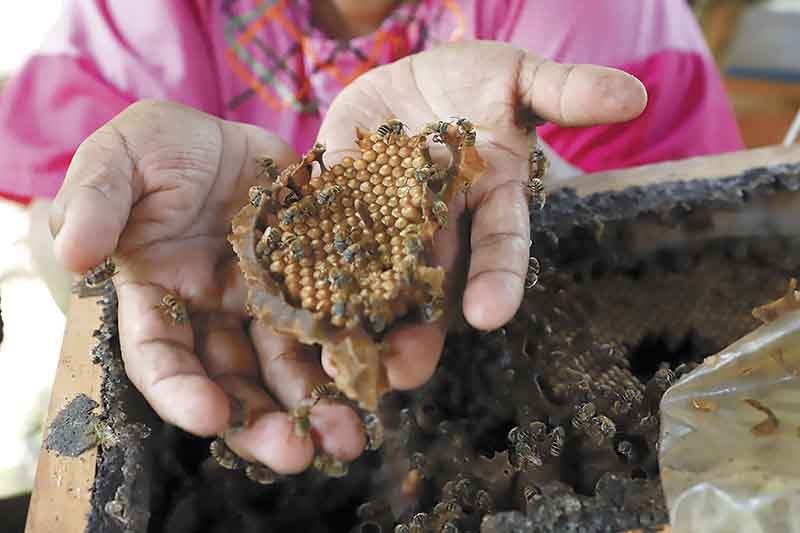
(91, 210)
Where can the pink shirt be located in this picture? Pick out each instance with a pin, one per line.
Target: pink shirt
(262, 62)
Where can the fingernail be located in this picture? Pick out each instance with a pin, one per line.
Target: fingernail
(55, 220)
(238, 418)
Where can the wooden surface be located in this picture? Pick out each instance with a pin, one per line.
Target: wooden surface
(61, 495)
(717, 166)
(764, 109)
(62, 489)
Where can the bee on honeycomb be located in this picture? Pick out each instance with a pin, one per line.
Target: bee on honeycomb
(335, 255)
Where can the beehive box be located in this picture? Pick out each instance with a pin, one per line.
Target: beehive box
(655, 264)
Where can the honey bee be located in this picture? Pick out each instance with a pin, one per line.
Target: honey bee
(300, 416)
(352, 252)
(536, 191)
(664, 377)
(439, 129)
(558, 436)
(257, 193)
(379, 316)
(420, 522)
(327, 195)
(515, 435)
(465, 124)
(286, 196)
(423, 174)
(447, 508)
(291, 215)
(537, 430)
(408, 269)
(391, 126)
(439, 211)
(341, 242)
(174, 309)
(373, 428)
(601, 429)
(433, 309)
(532, 276)
(298, 251)
(632, 395)
(413, 244)
(338, 309)
(625, 448)
(326, 390)
(224, 456)
(330, 466)
(267, 165)
(340, 280)
(583, 415)
(483, 501)
(530, 492)
(261, 474)
(288, 240)
(470, 137)
(308, 207)
(523, 455)
(537, 164)
(100, 274)
(270, 241)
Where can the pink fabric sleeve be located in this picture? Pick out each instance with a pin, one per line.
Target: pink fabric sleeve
(101, 56)
(659, 42)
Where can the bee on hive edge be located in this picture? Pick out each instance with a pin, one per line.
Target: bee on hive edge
(374, 430)
(330, 466)
(439, 211)
(100, 274)
(326, 390)
(267, 166)
(261, 474)
(391, 126)
(413, 244)
(532, 276)
(537, 194)
(257, 194)
(270, 241)
(174, 309)
(470, 137)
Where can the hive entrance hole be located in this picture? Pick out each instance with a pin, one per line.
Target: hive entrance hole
(674, 348)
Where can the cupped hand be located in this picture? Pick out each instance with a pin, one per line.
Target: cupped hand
(503, 91)
(156, 188)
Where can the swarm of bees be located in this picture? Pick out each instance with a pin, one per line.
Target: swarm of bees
(346, 246)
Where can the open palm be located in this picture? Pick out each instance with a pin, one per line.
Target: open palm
(157, 186)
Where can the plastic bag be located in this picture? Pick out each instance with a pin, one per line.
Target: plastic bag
(730, 433)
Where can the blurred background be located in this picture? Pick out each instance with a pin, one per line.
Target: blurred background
(755, 43)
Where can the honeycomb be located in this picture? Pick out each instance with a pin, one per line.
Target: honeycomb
(336, 255)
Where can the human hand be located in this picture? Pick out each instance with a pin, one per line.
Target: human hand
(156, 189)
(502, 90)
